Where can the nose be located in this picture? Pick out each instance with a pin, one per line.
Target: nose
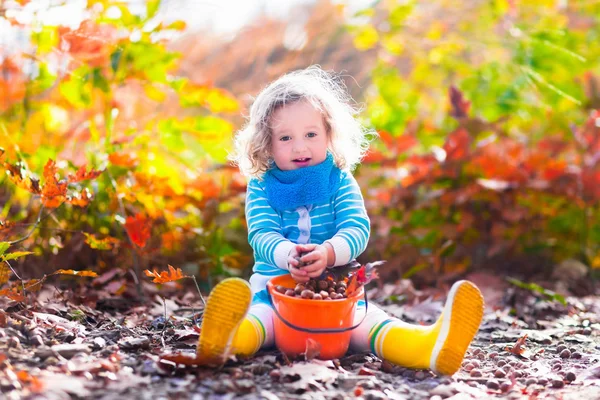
(299, 146)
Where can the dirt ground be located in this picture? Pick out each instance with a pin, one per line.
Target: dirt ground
(107, 349)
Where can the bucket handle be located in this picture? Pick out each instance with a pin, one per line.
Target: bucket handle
(325, 330)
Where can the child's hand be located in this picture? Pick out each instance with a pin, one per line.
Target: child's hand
(299, 274)
(316, 259)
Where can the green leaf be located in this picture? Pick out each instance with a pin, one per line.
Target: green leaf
(152, 7)
(15, 255)
(99, 80)
(74, 90)
(548, 294)
(115, 57)
(3, 247)
(46, 40)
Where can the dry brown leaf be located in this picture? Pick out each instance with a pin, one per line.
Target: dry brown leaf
(181, 358)
(313, 349)
(519, 347)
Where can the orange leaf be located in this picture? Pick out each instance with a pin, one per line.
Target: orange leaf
(34, 285)
(81, 199)
(4, 273)
(138, 229)
(54, 192)
(13, 294)
(123, 159)
(82, 175)
(73, 272)
(166, 276)
(19, 176)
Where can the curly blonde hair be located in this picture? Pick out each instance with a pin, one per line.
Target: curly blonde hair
(348, 139)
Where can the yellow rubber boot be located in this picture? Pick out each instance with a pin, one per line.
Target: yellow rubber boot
(440, 347)
(226, 307)
(249, 337)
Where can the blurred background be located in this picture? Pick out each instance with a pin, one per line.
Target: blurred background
(116, 118)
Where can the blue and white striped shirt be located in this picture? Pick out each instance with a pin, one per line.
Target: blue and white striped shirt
(341, 221)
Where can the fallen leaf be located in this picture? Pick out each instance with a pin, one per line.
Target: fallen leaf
(76, 273)
(313, 349)
(519, 348)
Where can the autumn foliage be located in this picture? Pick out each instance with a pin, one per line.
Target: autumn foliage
(114, 150)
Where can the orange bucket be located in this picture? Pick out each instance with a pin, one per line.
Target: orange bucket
(314, 315)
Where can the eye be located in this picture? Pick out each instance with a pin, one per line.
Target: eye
(311, 134)
(285, 138)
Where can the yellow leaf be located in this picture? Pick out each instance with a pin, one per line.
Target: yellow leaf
(366, 38)
(596, 262)
(106, 243)
(153, 93)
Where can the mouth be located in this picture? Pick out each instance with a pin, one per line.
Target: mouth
(301, 161)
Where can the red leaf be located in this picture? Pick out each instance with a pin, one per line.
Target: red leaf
(457, 145)
(138, 229)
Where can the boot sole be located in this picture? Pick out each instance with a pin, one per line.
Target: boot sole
(226, 308)
(462, 316)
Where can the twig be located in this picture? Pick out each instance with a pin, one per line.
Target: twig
(19, 278)
(136, 266)
(199, 293)
(162, 333)
(37, 222)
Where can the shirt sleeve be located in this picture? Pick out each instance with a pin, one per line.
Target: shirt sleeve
(351, 220)
(264, 228)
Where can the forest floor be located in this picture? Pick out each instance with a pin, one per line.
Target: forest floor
(85, 344)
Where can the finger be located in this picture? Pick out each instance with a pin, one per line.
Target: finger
(298, 271)
(303, 248)
(316, 267)
(292, 261)
(310, 257)
(301, 279)
(316, 274)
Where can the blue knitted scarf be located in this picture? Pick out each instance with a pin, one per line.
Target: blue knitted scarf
(303, 186)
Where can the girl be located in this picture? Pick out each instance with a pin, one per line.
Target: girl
(298, 148)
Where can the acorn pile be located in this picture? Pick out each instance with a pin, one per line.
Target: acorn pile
(314, 289)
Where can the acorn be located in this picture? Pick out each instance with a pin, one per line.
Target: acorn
(280, 289)
(299, 288)
(317, 297)
(307, 294)
(290, 293)
(323, 285)
(324, 294)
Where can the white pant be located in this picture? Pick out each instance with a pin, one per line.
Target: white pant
(359, 340)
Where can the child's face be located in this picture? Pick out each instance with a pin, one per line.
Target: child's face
(299, 136)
